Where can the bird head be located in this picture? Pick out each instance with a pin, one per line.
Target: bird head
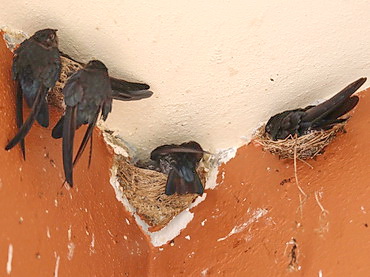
(96, 64)
(273, 127)
(47, 37)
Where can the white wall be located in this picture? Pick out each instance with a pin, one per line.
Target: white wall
(209, 62)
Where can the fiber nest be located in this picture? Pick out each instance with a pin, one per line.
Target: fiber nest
(304, 147)
(144, 190)
(55, 96)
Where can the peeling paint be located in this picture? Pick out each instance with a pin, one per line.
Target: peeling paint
(222, 156)
(71, 248)
(13, 37)
(204, 272)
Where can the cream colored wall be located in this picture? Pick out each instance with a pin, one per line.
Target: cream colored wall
(210, 63)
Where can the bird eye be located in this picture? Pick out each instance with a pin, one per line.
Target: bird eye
(51, 37)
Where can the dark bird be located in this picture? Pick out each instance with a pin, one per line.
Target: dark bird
(320, 117)
(179, 162)
(121, 89)
(86, 93)
(36, 68)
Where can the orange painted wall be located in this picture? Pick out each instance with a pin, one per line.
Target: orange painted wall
(32, 201)
(256, 197)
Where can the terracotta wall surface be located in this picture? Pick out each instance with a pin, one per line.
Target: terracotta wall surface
(83, 231)
(247, 225)
(251, 224)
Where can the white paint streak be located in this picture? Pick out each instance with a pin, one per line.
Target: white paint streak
(56, 269)
(48, 232)
(203, 222)
(254, 218)
(69, 232)
(92, 244)
(170, 231)
(187, 237)
(10, 259)
(320, 273)
(71, 248)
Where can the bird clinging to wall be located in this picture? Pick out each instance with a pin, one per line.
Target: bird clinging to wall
(320, 117)
(86, 93)
(180, 162)
(36, 68)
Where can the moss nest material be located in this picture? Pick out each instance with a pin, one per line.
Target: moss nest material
(305, 147)
(144, 190)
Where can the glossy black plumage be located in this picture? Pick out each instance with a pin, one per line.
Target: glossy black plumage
(36, 68)
(179, 162)
(320, 117)
(87, 93)
(123, 90)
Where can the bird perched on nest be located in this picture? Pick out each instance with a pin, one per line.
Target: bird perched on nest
(36, 68)
(179, 162)
(86, 93)
(123, 90)
(321, 117)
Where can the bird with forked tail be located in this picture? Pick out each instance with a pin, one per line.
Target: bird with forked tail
(87, 93)
(180, 162)
(315, 117)
(36, 69)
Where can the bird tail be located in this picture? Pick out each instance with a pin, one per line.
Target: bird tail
(183, 181)
(43, 116)
(331, 105)
(129, 91)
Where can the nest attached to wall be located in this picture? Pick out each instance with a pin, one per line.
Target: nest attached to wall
(144, 189)
(55, 96)
(304, 147)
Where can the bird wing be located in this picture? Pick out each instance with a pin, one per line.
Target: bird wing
(24, 129)
(69, 128)
(85, 140)
(322, 110)
(19, 116)
(73, 93)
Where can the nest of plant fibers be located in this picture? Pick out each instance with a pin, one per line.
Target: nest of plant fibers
(303, 147)
(144, 190)
(55, 96)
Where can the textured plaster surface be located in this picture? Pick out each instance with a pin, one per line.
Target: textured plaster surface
(214, 66)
